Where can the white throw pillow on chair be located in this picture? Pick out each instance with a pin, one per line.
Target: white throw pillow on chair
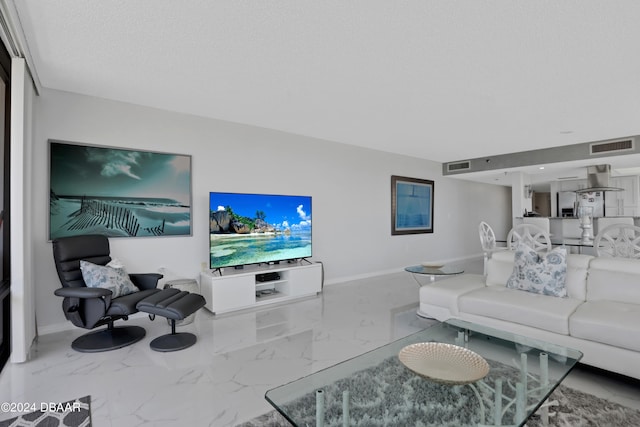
(115, 279)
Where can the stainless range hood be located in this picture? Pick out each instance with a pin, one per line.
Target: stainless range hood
(598, 179)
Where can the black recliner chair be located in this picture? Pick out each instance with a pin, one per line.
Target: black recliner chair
(90, 308)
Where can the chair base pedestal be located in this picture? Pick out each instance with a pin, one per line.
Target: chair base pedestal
(173, 342)
(108, 339)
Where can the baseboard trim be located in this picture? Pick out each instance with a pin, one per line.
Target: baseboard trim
(343, 279)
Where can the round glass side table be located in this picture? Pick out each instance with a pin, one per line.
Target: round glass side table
(433, 271)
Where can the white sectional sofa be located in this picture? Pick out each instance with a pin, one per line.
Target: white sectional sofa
(599, 317)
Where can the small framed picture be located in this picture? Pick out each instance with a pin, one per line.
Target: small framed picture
(411, 205)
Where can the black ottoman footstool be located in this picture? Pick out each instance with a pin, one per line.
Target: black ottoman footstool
(174, 305)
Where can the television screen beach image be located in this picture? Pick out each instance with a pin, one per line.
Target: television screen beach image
(118, 192)
(258, 228)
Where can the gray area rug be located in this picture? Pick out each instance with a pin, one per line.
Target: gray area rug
(391, 381)
(74, 413)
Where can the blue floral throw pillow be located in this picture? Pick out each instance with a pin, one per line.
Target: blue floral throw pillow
(115, 279)
(539, 273)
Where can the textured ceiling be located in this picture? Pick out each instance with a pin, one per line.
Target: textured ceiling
(441, 80)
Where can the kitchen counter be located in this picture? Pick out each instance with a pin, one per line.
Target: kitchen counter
(570, 226)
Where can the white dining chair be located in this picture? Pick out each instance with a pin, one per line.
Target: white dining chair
(488, 242)
(531, 235)
(618, 240)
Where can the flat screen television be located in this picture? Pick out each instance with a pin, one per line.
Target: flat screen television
(258, 228)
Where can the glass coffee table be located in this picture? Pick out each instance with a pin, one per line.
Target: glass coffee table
(376, 388)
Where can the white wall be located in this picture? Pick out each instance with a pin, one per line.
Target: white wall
(350, 188)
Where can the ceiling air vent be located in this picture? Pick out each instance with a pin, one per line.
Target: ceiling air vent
(458, 166)
(612, 146)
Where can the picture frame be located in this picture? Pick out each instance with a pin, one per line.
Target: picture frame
(411, 205)
(118, 192)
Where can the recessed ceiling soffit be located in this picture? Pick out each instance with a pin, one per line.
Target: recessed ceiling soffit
(567, 153)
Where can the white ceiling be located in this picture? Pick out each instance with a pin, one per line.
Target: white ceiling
(441, 80)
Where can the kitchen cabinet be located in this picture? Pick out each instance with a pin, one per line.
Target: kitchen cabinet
(623, 203)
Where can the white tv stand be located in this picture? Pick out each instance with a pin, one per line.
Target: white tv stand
(239, 289)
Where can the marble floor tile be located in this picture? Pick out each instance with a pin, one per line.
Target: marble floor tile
(221, 381)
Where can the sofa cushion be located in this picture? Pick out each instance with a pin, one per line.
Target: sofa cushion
(539, 273)
(525, 308)
(500, 267)
(445, 293)
(577, 267)
(607, 322)
(614, 279)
